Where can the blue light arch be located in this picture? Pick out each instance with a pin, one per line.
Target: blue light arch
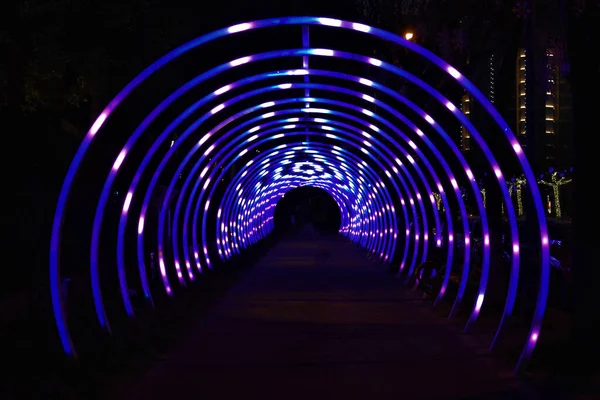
(347, 124)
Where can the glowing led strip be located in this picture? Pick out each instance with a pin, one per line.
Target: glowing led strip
(237, 149)
(200, 200)
(174, 146)
(216, 156)
(251, 184)
(287, 185)
(258, 190)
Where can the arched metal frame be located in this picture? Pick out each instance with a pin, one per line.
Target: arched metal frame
(351, 231)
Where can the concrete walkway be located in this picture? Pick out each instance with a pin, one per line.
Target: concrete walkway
(316, 320)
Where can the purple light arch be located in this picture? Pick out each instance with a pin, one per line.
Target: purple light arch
(378, 223)
(196, 167)
(381, 202)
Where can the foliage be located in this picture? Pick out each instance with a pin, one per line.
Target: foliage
(61, 59)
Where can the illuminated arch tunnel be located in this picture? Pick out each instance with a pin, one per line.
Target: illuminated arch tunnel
(203, 171)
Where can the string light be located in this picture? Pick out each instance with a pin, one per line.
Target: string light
(519, 184)
(556, 181)
(484, 195)
(438, 201)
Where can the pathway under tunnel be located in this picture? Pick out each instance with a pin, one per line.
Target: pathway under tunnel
(315, 318)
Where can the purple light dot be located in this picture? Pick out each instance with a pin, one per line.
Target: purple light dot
(217, 108)
(375, 62)
(517, 148)
(239, 27)
(161, 264)
(361, 27)
(127, 202)
(534, 337)
(239, 61)
(119, 160)
(299, 72)
(452, 71)
(222, 90)
(330, 22)
(98, 123)
(211, 148)
(368, 98)
(204, 139)
(479, 302)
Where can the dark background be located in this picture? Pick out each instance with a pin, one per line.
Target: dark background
(63, 60)
(308, 205)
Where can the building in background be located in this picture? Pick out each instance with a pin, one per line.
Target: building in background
(543, 91)
(465, 135)
(521, 96)
(487, 81)
(555, 143)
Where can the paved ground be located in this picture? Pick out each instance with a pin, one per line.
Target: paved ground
(315, 319)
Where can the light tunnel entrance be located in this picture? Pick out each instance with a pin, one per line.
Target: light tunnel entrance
(310, 205)
(189, 172)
